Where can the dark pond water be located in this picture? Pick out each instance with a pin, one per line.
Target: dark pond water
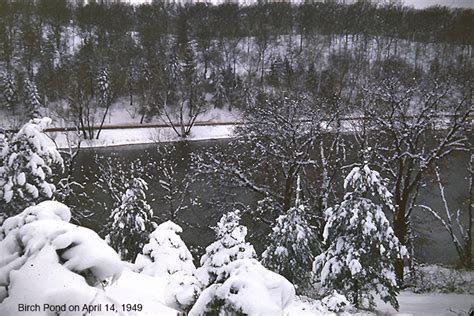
(432, 245)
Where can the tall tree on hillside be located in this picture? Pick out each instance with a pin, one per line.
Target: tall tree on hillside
(105, 95)
(9, 90)
(181, 98)
(80, 104)
(32, 99)
(8, 32)
(56, 15)
(200, 19)
(30, 40)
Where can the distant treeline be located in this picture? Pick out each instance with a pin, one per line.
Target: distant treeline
(220, 50)
(440, 24)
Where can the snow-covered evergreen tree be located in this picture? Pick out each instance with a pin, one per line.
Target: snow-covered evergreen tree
(230, 246)
(9, 90)
(3, 143)
(28, 158)
(293, 247)
(104, 86)
(235, 278)
(167, 257)
(220, 91)
(131, 222)
(32, 99)
(361, 245)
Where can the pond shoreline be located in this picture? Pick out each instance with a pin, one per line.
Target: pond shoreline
(116, 137)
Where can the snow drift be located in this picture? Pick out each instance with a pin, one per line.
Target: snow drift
(46, 260)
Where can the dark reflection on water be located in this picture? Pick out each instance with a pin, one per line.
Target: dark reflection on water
(432, 244)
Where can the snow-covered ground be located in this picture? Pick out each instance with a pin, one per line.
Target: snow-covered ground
(122, 113)
(430, 304)
(123, 116)
(143, 135)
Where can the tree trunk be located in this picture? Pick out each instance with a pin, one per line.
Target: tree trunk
(400, 227)
(103, 120)
(468, 242)
(289, 186)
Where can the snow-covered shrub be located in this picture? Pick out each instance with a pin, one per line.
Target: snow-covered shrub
(306, 306)
(46, 259)
(166, 256)
(28, 158)
(131, 222)
(249, 289)
(230, 246)
(335, 302)
(361, 245)
(293, 247)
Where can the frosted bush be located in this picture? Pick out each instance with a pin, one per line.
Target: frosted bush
(32, 99)
(249, 289)
(9, 90)
(166, 256)
(435, 278)
(335, 302)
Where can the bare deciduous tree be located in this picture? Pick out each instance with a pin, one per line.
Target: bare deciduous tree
(416, 123)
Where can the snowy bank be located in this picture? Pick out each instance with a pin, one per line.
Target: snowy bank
(142, 135)
(429, 304)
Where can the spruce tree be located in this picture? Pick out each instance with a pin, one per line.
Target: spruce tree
(32, 99)
(293, 247)
(105, 95)
(230, 246)
(165, 253)
(131, 222)
(9, 91)
(233, 276)
(361, 245)
(166, 256)
(28, 158)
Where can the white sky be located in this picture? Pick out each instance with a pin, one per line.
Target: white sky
(448, 3)
(415, 3)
